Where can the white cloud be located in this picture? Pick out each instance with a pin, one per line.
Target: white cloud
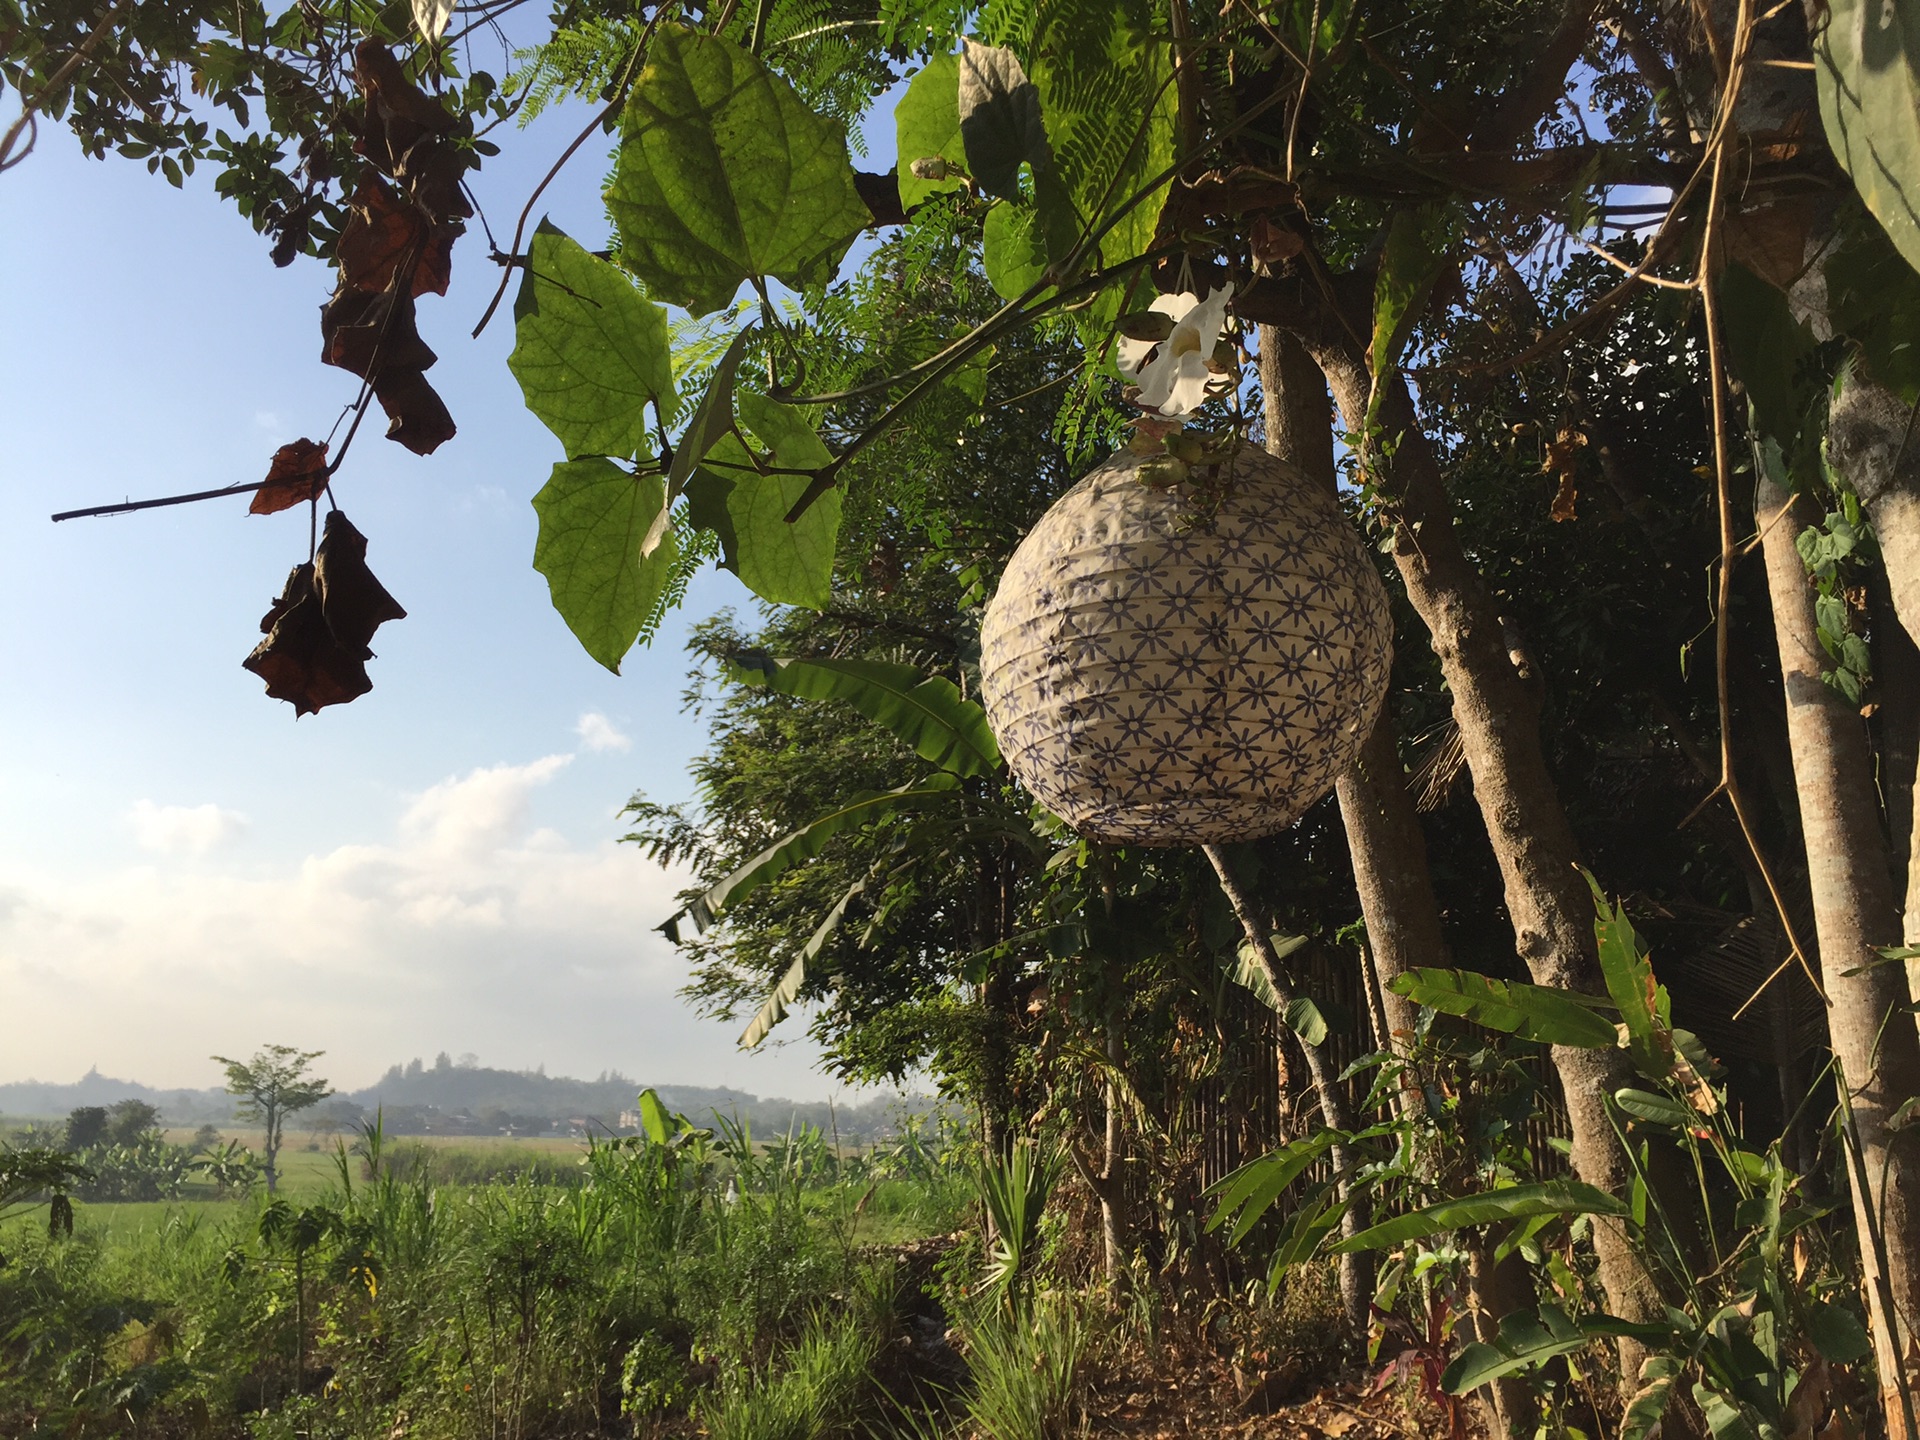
(597, 732)
(183, 829)
(466, 927)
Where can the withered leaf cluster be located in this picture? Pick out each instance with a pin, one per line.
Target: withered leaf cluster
(320, 629)
(397, 244)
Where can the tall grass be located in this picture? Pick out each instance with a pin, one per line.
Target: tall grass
(1026, 1363)
(669, 1279)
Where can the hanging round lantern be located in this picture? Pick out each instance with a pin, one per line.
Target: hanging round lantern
(1186, 664)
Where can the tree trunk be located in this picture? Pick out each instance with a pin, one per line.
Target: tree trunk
(1356, 1269)
(1853, 911)
(1867, 429)
(1547, 899)
(1383, 831)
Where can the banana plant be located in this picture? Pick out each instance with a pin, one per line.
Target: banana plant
(946, 814)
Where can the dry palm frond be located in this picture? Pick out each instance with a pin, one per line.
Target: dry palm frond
(1437, 776)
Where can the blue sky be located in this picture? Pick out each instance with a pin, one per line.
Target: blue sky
(186, 869)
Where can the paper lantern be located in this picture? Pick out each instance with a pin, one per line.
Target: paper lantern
(1186, 665)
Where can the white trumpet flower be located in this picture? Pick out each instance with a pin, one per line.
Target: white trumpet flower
(1174, 380)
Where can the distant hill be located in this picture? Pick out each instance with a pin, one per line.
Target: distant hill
(473, 1099)
(51, 1101)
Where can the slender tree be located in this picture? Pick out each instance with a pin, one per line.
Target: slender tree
(271, 1086)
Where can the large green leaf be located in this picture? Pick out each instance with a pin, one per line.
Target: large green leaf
(1533, 1012)
(1873, 297)
(1511, 1202)
(1001, 129)
(775, 1007)
(928, 714)
(1642, 1001)
(590, 352)
(1302, 1015)
(1524, 1339)
(1769, 351)
(724, 173)
(788, 563)
(927, 127)
(1250, 1191)
(998, 108)
(655, 1119)
(810, 839)
(1864, 65)
(1725, 1420)
(594, 517)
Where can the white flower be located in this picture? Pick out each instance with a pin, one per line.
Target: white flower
(1174, 381)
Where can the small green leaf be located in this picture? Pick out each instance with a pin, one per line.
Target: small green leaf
(1303, 1017)
(1655, 1109)
(927, 126)
(590, 352)
(1837, 1333)
(724, 174)
(707, 494)
(593, 518)
(1649, 1403)
(1511, 1202)
(1533, 1012)
(1015, 255)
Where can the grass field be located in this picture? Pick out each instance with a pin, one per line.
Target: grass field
(478, 1288)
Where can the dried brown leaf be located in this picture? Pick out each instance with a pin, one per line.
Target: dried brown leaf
(297, 475)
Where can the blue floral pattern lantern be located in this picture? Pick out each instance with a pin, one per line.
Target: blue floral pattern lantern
(1186, 664)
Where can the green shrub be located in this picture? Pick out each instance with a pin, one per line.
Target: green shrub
(1026, 1362)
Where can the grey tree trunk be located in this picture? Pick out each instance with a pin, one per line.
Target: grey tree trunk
(1547, 900)
(1867, 429)
(1383, 830)
(1854, 911)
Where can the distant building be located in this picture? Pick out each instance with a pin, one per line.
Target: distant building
(629, 1122)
